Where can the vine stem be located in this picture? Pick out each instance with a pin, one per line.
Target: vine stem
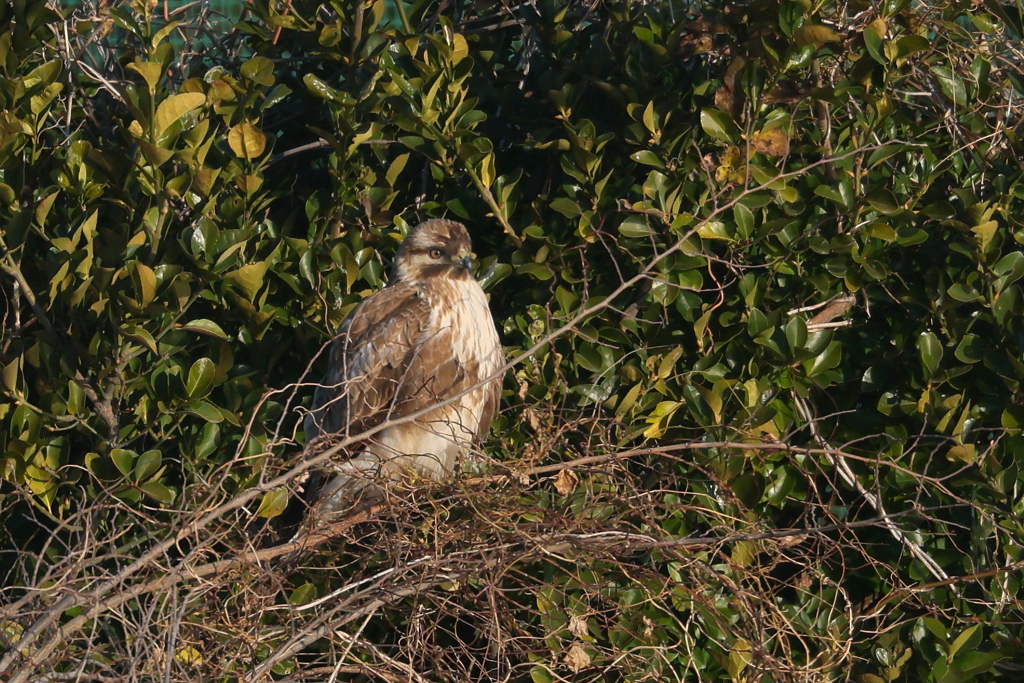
(488, 197)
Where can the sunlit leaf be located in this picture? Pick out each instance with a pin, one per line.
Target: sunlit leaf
(173, 108)
(247, 141)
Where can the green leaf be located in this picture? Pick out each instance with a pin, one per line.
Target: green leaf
(124, 460)
(259, 70)
(880, 231)
(7, 194)
(882, 153)
(951, 84)
(206, 411)
(1006, 304)
(9, 376)
(460, 48)
(909, 44)
(538, 674)
(147, 465)
(647, 157)
(827, 360)
(158, 492)
(718, 125)
(796, 333)
(249, 278)
(158, 156)
(635, 226)
(744, 218)
(937, 628)
(884, 201)
(173, 108)
(714, 230)
(970, 349)
(962, 291)
(971, 662)
(204, 326)
(273, 503)
(159, 36)
(930, 351)
(566, 207)
(650, 118)
(494, 275)
(140, 335)
(1010, 268)
(326, 92)
(873, 42)
(208, 443)
(303, 594)
(200, 378)
(757, 324)
(43, 74)
(969, 638)
(537, 270)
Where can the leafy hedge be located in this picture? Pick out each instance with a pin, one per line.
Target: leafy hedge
(757, 265)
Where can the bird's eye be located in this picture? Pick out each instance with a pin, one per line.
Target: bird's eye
(435, 253)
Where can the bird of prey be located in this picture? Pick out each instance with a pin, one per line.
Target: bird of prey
(426, 338)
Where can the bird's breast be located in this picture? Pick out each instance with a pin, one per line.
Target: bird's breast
(461, 307)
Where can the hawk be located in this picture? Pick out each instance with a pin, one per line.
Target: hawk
(427, 337)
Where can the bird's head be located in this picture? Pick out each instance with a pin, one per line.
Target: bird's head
(435, 248)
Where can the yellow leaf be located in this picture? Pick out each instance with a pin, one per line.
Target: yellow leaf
(771, 143)
(43, 209)
(805, 35)
(964, 453)
(150, 72)
(87, 230)
(145, 283)
(460, 48)
(9, 374)
(189, 656)
(487, 170)
(985, 232)
(739, 658)
(743, 553)
(878, 26)
(173, 108)
(247, 141)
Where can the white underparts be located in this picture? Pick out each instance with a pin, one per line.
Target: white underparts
(432, 445)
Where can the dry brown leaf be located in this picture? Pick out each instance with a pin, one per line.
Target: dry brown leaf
(578, 626)
(565, 482)
(577, 658)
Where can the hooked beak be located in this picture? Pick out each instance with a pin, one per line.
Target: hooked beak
(466, 262)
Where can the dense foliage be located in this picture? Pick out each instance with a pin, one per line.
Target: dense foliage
(756, 265)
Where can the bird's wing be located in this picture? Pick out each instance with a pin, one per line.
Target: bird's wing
(492, 394)
(392, 358)
(370, 362)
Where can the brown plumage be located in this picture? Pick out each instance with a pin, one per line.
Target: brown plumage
(424, 338)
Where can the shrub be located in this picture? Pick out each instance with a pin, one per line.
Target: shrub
(756, 266)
